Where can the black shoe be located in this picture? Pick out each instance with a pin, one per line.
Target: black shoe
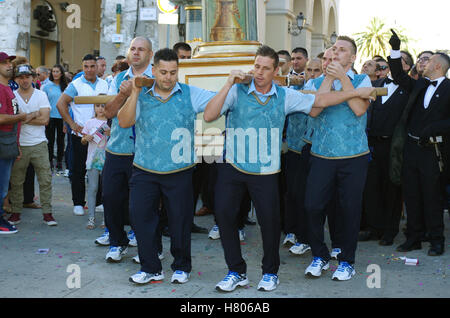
(436, 250)
(249, 222)
(165, 231)
(409, 246)
(198, 229)
(367, 236)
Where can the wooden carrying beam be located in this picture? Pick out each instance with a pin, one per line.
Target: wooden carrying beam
(146, 82)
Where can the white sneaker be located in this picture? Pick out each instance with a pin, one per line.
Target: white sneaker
(78, 210)
(103, 239)
(115, 253)
(180, 277)
(268, 282)
(316, 267)
(214, 234)
(345, 271)
(241, 235)
(132, 239)
(299, 248)
(99, 208)
(138, 261)
(290, 238)
(144, 278)
(335, 252)
(231, 281)
(66, 173)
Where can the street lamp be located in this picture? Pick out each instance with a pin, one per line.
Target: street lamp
(333, 37)
(296, 29)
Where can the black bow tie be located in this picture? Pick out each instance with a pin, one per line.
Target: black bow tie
(428, 83)
(389, 81)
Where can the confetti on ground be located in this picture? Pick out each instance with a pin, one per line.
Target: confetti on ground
(43, 251)
(173, 290)
(243, 243)
(75, 252)
(156, 282)
(420, 284)
(199, 273)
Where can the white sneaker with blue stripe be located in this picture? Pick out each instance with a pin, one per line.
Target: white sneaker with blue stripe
(115, 253)
(268, 282)
(144, 278)
(231, 281)
(180, 277)
(299, 248)
(290, 238)
(335, 252)
(316, 267)
(241, 235)
(345, 271)
(103, 239)
(214, 233)
(132, 238)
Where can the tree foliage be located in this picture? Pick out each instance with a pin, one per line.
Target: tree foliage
(375, 39)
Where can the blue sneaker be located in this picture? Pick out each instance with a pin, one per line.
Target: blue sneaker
(345, 271)
(6, 227)
(268, 282)
(231, 281)
(132, 238)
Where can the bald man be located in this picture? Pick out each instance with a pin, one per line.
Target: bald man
(313, 69)
(120, 153)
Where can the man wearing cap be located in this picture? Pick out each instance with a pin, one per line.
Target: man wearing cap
(88, 84)
(33, 146)
(9, 120)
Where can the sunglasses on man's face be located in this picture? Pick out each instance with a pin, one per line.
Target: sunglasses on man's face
(383, 68)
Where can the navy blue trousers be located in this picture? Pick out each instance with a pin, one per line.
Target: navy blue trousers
(116, 174)
(295, 217)
(346, 177)
(146, 189)
(230, 188)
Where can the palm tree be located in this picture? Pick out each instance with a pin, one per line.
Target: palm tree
(375, 40)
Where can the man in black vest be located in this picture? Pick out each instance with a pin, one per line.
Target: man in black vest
(382, 198)
(426, 115)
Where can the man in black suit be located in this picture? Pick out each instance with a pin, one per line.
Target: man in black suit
(426, 115)
(382, 198)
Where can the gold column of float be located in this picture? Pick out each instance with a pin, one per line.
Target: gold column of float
(226, 27)
(226, 34)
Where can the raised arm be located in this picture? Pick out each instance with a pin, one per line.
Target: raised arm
(214, 107)
(395, 64)
(127, 114)
(357, 105)
(112, 107)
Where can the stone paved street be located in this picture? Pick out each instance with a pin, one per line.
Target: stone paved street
(24, 273)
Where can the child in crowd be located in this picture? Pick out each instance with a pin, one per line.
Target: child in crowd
(95, 133)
